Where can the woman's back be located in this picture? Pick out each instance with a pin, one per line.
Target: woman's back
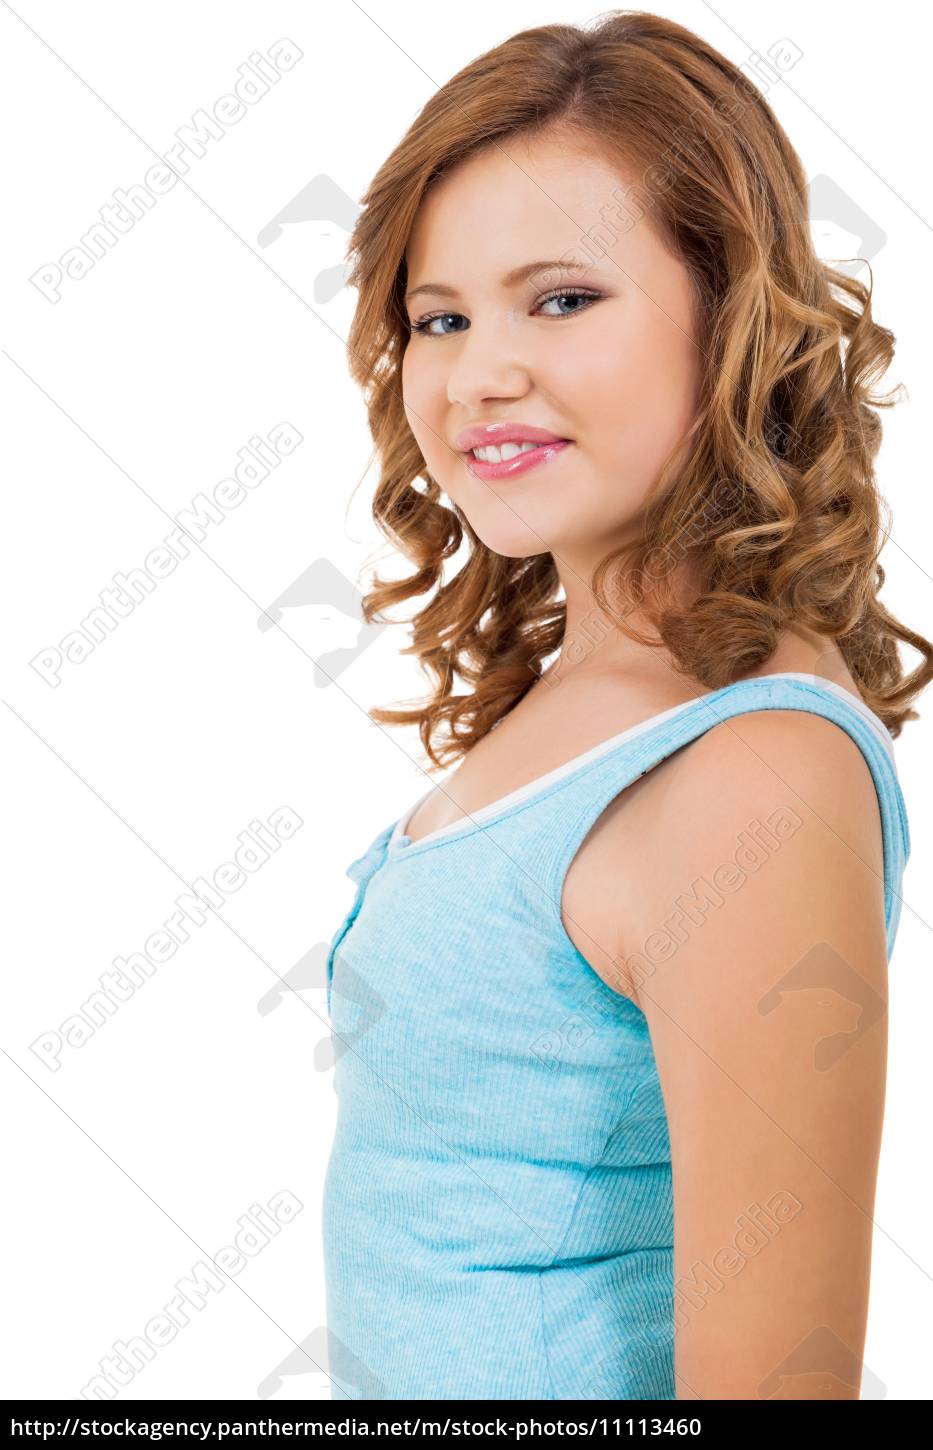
(498, 1207)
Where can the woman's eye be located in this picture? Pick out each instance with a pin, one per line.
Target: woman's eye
(576, 295)
(426, 322)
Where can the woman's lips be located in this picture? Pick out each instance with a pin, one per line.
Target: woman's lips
(521, 463)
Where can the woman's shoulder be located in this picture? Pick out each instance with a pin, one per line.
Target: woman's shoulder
(775, 755)
(753, 766)
(768, 819)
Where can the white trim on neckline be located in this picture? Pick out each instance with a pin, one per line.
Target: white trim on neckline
(603, 747)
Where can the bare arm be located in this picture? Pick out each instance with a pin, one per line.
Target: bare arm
(767, 1015)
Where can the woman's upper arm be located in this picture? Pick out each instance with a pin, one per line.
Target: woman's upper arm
(767, 1016)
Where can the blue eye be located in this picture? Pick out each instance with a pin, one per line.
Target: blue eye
(576, 292)
(581, 294)
(425, 323)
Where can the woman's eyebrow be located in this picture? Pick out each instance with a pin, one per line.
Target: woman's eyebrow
(511, 279)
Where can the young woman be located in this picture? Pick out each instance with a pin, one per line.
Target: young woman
(610, 1001)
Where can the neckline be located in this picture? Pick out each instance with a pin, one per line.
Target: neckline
(401, 843)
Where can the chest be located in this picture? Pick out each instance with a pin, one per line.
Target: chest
(602, 888)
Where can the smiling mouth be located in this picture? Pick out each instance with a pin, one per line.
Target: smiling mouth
(509, 459)
(503, 452)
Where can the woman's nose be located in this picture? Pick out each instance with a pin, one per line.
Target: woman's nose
(486, 365)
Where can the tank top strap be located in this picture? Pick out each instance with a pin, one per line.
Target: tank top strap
(574, 805)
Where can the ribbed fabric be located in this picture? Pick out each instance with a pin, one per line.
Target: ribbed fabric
(497, 1210)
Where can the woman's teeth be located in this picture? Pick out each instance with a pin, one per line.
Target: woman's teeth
(503, 454)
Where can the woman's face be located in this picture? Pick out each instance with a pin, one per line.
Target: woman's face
(615, 370)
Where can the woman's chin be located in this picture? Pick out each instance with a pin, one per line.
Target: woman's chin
(506, 530)
(513, 541)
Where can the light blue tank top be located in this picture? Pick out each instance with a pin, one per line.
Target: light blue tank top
(497, 1212)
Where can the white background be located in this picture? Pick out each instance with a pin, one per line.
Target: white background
(126, 398)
